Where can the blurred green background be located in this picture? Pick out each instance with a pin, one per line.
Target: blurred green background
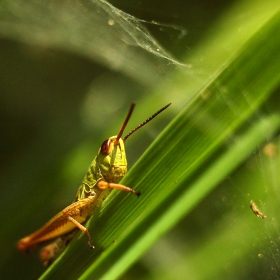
(67, 79)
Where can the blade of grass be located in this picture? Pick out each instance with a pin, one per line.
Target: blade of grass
(163, 216)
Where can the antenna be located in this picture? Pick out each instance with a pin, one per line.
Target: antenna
(140, 125)
(124, 124)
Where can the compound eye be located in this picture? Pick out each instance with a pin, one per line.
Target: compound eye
(106, 147)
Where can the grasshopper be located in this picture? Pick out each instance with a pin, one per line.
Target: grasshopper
(104, 175)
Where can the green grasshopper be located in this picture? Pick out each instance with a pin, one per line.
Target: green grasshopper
(104, 175)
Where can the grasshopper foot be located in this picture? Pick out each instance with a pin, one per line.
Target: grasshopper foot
(137, 193)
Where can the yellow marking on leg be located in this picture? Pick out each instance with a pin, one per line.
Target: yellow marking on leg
(105, 185)
(83, 229)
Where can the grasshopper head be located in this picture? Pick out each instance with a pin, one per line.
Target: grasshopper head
(111, 159)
